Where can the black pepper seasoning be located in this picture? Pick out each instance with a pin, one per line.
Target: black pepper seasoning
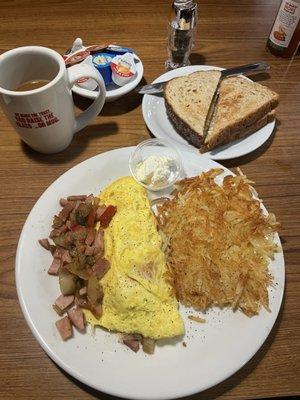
(181, 33)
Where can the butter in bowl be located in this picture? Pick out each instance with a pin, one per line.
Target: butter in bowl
(155, 164)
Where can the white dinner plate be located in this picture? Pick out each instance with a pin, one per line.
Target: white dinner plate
(113, 92)
(156, 119)
(214, 350)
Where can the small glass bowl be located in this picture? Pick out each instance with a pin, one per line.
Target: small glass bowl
(160, 148)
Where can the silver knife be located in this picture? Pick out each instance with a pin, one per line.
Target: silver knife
(247, 69)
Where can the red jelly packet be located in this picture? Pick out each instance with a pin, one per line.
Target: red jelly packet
(76, 57)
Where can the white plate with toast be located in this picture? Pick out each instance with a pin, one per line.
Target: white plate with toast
(157, 121)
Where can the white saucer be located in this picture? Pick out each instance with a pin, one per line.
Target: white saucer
(113, 92)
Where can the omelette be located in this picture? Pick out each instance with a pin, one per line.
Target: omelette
(137, 296)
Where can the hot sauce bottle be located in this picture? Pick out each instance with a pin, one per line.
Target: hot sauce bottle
(284, 37)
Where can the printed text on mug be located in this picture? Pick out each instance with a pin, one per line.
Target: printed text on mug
(36, 120)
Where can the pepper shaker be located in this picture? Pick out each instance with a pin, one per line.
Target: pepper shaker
(181, 33)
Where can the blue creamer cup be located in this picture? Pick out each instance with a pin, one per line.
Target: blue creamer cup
(101, 61)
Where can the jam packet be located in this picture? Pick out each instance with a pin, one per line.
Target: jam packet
(78, 52)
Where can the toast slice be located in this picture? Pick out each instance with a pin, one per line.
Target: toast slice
(241, 104)
(188, 99)
(247, 131)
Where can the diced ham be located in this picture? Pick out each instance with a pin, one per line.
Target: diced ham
(100, 211)
(91, 217)
(52, 249)
(69, 238)
(133, 344)
(69, 224)
(96, 310)
(63, 302)
(78, 228)
(64, 240)
(63, 202)
(58, 310)
(107, 216)
(132, 341)
(57, 253)
(77, 204)
(80, 197)
(82, 302)
(64, 328)
(90, 236)
(80, 248)
(97, 250)
(132, 336)
(99, 242)
(77, 318)
(100, 268)
(54, 233)
(89, 199)
(89, 250)
(75, 239)
(54, 267)
(65, 256)
(63, 228)
(65, 212)
(45, 243)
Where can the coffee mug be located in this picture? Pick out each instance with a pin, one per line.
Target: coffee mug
(44, 117)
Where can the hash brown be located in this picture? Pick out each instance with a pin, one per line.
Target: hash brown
(219, 243)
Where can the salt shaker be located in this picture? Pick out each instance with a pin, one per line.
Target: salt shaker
(181, 33)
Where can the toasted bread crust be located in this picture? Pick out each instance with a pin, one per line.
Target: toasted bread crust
(240, 133)
(183, 128)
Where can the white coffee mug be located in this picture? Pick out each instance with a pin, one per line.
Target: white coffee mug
(44, 117)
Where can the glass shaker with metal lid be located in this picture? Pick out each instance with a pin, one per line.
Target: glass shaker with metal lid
(181, 33)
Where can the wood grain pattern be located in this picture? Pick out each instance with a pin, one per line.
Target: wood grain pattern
(230, 32)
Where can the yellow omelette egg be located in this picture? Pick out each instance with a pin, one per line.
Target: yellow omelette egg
(137, 298)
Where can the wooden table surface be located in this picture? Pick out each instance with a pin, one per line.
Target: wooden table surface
(230, 33)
